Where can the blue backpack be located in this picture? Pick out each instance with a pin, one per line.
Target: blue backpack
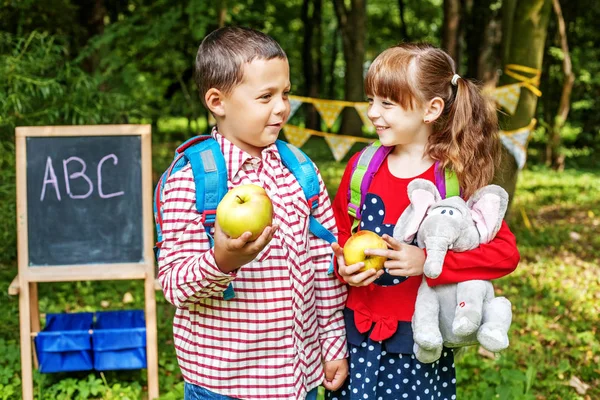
(210, 176)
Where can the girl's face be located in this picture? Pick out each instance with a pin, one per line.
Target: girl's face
(396, 125)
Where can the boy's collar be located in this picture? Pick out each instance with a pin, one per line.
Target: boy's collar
(238, 156)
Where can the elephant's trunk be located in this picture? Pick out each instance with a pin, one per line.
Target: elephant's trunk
(436, 252)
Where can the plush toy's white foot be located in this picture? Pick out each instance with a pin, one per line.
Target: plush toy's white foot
(428, 339)
(427, 356)
(494, 340)
(463, 326)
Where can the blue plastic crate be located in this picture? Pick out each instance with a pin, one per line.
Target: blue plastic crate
(119, 340)
(65, 343)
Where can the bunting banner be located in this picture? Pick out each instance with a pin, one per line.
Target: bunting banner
(296, 135)
(294, 105)
(329, 111)
(361, 109)
(516, 142)
(339, 145)
(506, 96)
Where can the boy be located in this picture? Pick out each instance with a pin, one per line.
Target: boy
(283, 333)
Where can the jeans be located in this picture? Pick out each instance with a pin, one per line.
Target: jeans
(194, 392)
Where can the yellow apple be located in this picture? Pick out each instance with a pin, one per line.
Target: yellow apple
(245, 208)
(354, 250)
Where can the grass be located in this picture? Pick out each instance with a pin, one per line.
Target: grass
(555, 292)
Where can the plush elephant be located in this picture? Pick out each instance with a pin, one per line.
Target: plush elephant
(460, 314)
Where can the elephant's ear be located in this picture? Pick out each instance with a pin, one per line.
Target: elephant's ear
(422, 194)
(488, 206)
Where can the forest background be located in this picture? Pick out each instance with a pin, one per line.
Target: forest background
(65, 62)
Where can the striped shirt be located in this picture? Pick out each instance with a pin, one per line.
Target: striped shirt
(270, 340)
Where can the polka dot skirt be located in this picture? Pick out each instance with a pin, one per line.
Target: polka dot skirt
(379, 375)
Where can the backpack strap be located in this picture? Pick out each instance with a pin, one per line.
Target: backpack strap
(367, 164)
(303, 170)
(446, 182)
(210, 178)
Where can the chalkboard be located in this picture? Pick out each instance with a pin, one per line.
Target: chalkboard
(84, 200)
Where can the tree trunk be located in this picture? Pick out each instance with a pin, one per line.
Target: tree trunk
(553, 156)
(482, 40)
(312, 62)
(403, 27)
(222, 13)
(334, 55)
(525, 25)
(91, 17)
(451, 29)
(353, 28)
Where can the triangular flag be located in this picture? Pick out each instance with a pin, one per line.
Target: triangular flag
(339, 145)
(507, 96)
(516, 144)
(362, 109)
(296, 135)
(329, 111)
(294, 105)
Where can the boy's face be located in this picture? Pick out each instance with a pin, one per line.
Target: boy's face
(256, 109)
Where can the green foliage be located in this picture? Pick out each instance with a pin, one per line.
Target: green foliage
(40, 86)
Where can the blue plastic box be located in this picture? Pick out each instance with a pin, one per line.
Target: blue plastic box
(65, 343)
(119, 340)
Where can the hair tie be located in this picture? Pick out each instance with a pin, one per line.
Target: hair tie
(455, 79)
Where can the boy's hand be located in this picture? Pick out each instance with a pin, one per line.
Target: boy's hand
(230, 254)
(351, 273)
(403, 259)
(336, 372)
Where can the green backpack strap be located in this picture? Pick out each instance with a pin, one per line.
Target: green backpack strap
(367, 164)
(446, 181)
(452, 187)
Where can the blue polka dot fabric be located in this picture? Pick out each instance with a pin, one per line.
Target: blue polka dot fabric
(378, 375)
(372, 217)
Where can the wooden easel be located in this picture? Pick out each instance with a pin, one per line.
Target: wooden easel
(25, 284)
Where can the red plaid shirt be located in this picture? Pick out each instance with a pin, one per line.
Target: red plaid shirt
(286, 318)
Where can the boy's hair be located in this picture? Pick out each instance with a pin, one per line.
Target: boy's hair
(223, 53)
(465, 137)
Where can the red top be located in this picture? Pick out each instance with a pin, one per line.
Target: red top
(386, 305)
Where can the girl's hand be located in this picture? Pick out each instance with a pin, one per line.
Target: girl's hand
(403, 259)
(350, 273)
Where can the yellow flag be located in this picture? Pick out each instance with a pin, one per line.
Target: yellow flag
(339, 145)
(296, 135)
(329, 111)
(516, 142)
(362, 109)
(507, 96)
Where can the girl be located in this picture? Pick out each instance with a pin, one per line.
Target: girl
(431, 118)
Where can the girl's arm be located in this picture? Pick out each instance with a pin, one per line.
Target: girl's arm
(489, 261)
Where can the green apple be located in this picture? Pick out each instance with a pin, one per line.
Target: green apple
(354, 250)
(245, 208)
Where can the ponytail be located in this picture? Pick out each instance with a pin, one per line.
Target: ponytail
(465, 138)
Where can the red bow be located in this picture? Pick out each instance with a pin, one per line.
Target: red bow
(384, 327)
